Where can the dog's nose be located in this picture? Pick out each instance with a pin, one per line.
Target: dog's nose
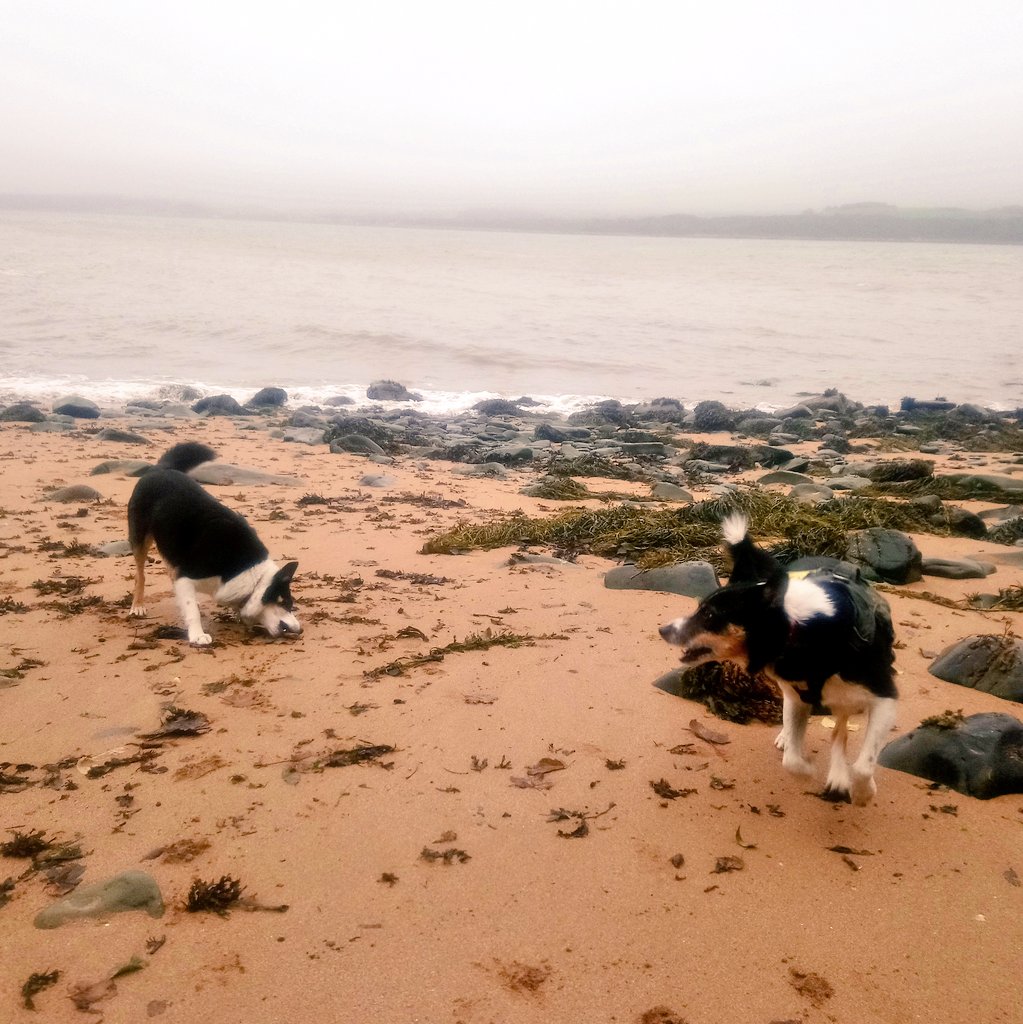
(295, 630)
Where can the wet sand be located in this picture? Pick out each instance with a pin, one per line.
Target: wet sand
(528, 920)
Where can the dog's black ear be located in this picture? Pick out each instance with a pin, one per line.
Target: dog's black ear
(286, 573)
(279, 591)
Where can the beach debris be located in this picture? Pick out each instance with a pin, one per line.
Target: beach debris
(582, 829)
(388, 878)
(65, 586)
(84, 996)
(662, 1015)
(420, 579)
(727, 691)
(677, 861)
(25, 844)
(524, 978)
(1011, 877)
(450, 856)
(473, 642)
(849, 851)
(708, 735)
(724, 865)
(8, 606)
(810, 985)
(63, 878)
(666, 791)
(217, 897)
(179, 722)
(130, 890)
(479, 698)
(181, 851)
(739, 840)
(721, 784)
(95, 766)
(35, 984)
(613, 766)
(356, 755)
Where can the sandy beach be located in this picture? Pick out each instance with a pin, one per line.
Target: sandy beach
(433, 880)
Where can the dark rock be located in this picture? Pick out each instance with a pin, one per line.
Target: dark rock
(690, 579)
(357, 444)
(938, 405)
(963, 522)
(608, 413)
(342, 425)
(759, 426)
(268, 398)
(391, 391)
(950, 569)
(497, 407)
(219, 405)
(303, 435)
(848, 483)
(649, 448)
(993, 664)
(548, 432)
(340, 400)
(986, 481)
(901, 469)
(300, 418)
(982, 756)
(713, 416)
(670, 492)
(75, 492)
(78, 407)
(661, 410)
(22, 412)
(125, 467)
(927, 502)
(887, 555)
(526, 402)
(510, 455)
(836, 443)
(119, 436)
(797, 412)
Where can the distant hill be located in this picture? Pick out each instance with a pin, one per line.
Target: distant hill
(869, 221)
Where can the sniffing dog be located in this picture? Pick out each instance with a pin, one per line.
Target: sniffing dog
(207, 547)
(823, 638)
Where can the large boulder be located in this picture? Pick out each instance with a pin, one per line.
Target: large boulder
(981, 755)
(391, 391)
(898, 470)
(992, 663)
(268, 398)
(890, 556)
(219, 405)
(77, 407)
(497, 407)
(713, 416)
(22, 412)
(690, 579)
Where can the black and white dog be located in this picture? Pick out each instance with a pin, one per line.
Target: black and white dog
(207, 547)
(825, 639)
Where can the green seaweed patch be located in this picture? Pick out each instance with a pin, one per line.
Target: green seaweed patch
(946, 720)
(731, 693)
(37, 983)
(658, 536)
(473, 642)
(590, 465)
(956, 488)
(217, 897)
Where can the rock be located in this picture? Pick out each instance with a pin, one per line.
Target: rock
(937, 405)
(483, 469)
(963, 522)
(130, 890)
(342, 425)
(759, 426)
(357, 444)
(703, 466)
(713, 416)
(76, 492)
(124, 467)
(53, 426)
(272, 398)
(784, 476)
(547, 432)
(797, 464)
(796, 412)
(690, 579)
(225, 474)
(115, 548)
(377, 480)
(808, 563)
(897, 470)
(927, 502)
(304, 435)
(119, 436)
(339, 400)
(950, 569)
(510, 455)
(661, 410)
(987, 481)
(78, 407)
(1003, 514)
(651, 448)
(22, 412)
(391, 391)
(497, 407)
(670, 492)
(608, 413)
(303, 420)
(982, 756)
(848, 483)
(887, 555)
(993, 664)
(811, 494)
(220, 405)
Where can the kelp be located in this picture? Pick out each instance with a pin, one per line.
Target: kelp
(1008, 599)
(960, 487)
(731, 693)
(658, 536)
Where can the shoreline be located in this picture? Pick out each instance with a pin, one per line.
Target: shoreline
(630, 920)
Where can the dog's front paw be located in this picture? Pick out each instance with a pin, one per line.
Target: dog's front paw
(200, 640)
(138, 611)
(794, 762)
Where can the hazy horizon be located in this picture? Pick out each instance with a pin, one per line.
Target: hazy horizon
(569, 109)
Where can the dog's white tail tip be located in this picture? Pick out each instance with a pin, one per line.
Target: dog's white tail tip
(734, 528)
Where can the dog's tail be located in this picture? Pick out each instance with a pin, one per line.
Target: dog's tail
(186, 456)
(750, 564)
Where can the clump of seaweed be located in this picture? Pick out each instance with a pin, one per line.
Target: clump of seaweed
(37, 983)
(731, 693)
(946, 720)
(25, 844)
(1009, 599)
(8, 606)
(658, 536)
(65, 587)
(356, 755)
(1008, 532)
(560, 488)
(473, 642)
(217, 897)
(960, 487)
(589, 465)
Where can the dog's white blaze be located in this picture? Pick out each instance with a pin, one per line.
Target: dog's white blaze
(734, 528)
(804, 598)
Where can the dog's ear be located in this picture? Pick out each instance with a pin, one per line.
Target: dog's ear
(279, 591)
(287, 572)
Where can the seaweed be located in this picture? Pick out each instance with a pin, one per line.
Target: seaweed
(731, 693)
(63, 587)
(948, 719)
(8, 606)
(420, 579)
(25, 844)
(473, 642)
(1008, 598)
(653, 537)
(217, 897)
(959, 487)
(447, 856)
(590, 465)
(356, 755)
(37, 983)
(1008, 532)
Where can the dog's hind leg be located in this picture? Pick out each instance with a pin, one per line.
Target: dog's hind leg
(838, 784)
(880, 721)
(795, 713)
(141, 553)
(188, 604)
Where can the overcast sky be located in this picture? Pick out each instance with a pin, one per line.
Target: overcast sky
(547, 105)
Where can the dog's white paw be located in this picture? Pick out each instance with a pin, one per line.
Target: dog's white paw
(781, 741)
(863, 789)
(138, 611)
(796, 764)
(200, 640)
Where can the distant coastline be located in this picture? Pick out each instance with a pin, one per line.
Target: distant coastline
(867, 222)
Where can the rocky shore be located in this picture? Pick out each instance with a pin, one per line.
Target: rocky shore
(476, 789)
